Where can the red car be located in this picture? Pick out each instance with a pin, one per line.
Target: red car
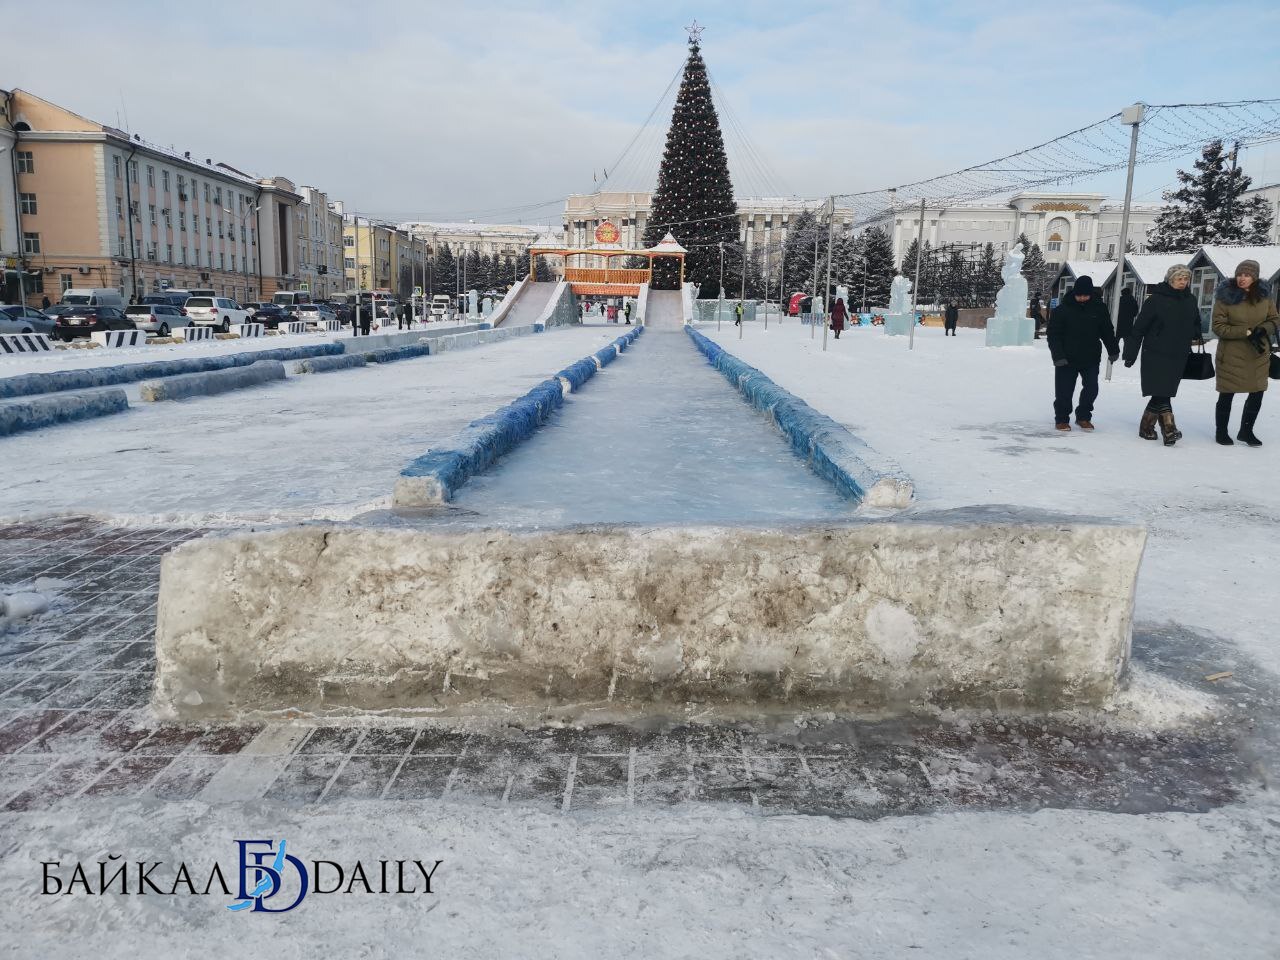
(82, 321)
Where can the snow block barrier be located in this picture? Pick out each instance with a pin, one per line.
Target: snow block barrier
(292, 326)
(247, 330)
(196, 331)
(328, 364)
(392, 354)
(832, 452)
(24, 343)
(119, 338)
(217, 381)
(17, 416)
(432, 478)
(29, 384)
(964, 609)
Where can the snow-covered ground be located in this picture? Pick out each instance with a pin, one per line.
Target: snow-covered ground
(320, 445)
(972, 426)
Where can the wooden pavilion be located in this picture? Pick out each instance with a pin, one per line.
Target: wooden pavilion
(609, 281)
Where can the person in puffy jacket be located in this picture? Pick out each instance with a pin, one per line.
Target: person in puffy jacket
(1244, 321)
(838, 316)
(1078, 329)
(1163, 331)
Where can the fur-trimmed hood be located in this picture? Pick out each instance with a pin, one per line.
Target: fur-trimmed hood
(1228, 293)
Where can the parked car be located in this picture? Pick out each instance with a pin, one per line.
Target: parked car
(170, 297)
(253, 308)
(440, 304)
(270, 315)
(159, 318)
(312, 312)
(220, 312)
(82, 321)
(16, 319)
(344, 313)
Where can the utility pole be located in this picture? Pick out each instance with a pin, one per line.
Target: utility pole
(1235, 153)
(784, 302)
(813, 300)
(720, 298)
(831, 232)
(742, 293)
(1133, 117)
(915, 290)
(355, 224)
(766, 284)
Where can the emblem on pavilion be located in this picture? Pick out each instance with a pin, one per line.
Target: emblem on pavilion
(607, 233)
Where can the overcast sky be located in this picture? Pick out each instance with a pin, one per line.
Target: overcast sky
(483, 109)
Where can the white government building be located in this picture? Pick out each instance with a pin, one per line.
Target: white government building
(1067, 226)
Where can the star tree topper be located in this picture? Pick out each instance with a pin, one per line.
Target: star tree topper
(695, 33)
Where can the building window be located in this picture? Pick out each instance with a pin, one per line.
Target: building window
(168, 222)
(169, 256)
(348, 241)
(220, 230)
(116, 163)
(151, 212)
(30, 243)
(1111, 249)
(206, 193)
(137, 248)
(184, 256)
(64, 282)
(1083, 246)
(1055, 246)
(27, 202)
(195, 222)
(151, 175)
(26, 161)
(349, 263)
(222, 261)
(233, 262)
(133, 170)
(217, 196)
(242, 233)
(208, 226)
(164, 179)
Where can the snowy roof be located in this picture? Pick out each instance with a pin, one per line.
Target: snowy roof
(1150, 268)
(669, 244)
(1224, 258)
(1099, 271)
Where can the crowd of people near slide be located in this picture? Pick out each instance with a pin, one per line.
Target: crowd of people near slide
(1164, 335)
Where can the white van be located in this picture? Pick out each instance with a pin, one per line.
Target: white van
(92, 297)
(290, 298)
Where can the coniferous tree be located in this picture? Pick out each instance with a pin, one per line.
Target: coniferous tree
(1037, 272)
(802, 233)
(694, 196)
(444, 271)
(986, 281)
(1209, 207)
(877, 247)
(541, 270)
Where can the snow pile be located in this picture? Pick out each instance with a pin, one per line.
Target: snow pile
(17, 605)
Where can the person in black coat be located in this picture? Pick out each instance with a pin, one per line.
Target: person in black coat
(1163, 331)
(1036, 316)
(950, 317)
(1078, 328)
(1127, 314)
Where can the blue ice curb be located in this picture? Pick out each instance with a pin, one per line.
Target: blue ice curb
(392, 354)
(17, 416)
(435, 476)
(856, 470)
(29, 384)
(212, 382)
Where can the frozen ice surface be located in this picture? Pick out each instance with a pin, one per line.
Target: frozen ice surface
(657, 436)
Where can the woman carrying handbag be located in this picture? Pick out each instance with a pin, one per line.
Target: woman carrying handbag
(1245, 321)
(1163, 330)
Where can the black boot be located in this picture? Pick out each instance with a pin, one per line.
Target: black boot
(1222, 413)
(1248, 418)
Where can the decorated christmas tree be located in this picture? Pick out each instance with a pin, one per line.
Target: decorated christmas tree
(694, 197)
(1210, 207)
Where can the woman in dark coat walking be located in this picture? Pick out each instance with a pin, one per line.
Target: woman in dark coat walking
(838, 315)
(1245, 321)
(1163, 331)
